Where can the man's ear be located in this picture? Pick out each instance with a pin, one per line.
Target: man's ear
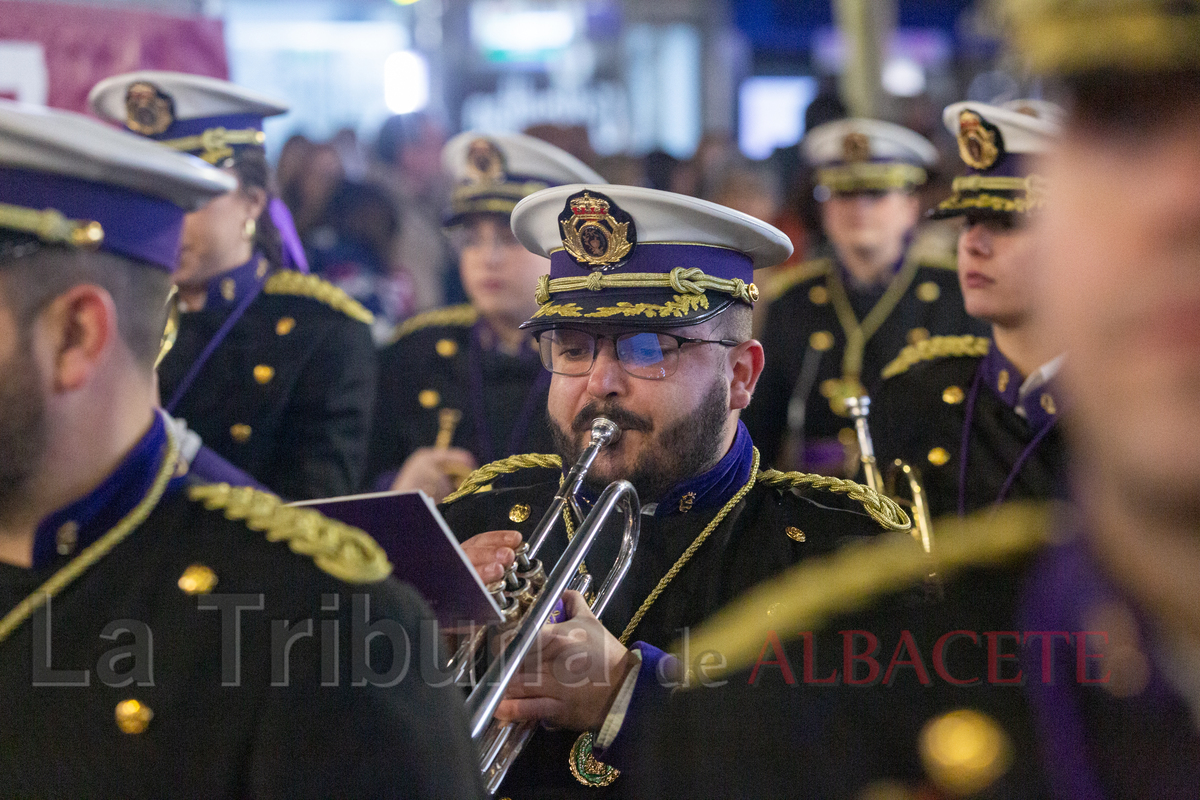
(746, 362)
(78, 330)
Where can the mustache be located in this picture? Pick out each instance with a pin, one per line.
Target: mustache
(626, 420)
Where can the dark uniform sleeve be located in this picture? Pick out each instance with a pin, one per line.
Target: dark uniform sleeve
(399, 735)
(324, 452)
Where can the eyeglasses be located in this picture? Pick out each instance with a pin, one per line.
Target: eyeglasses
(650, 355)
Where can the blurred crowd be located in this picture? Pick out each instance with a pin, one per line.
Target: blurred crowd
(370, 213)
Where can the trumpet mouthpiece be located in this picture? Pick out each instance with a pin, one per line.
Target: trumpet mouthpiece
(605, 431)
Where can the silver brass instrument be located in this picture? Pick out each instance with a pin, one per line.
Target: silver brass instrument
(900, 472)
(527, 596)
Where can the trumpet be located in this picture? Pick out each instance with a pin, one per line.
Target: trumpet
(528, 596)
(900, 472)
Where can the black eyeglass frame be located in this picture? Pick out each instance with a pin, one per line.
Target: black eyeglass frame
(680, 341)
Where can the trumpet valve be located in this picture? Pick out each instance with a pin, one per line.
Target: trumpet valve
(523, 595)
(536, 575)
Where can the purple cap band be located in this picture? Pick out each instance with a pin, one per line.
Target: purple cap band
(194, 127)
(1010, 165)
(718, 262)
(135, 225)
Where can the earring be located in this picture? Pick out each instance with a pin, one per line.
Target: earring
(250, 229)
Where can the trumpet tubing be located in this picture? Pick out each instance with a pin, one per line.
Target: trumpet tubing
(528, 596)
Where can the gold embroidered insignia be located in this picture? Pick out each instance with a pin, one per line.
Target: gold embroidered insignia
(596, 232)
(856, 148)
(979, 143)
(485, 162)
(148, 109)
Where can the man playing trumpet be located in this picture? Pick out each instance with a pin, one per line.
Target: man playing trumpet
(644, 319)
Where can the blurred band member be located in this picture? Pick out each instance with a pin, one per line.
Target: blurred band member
(272, 368)
(469, 371)
(979, 417)
(842, 318)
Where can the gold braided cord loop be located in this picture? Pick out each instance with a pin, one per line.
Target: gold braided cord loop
(344, 552)
(298, 284)
(97, 549)
(51, 226)
(807, 595)
(481, 477)
(691, 280)
(216, 144)
(880, 508)
(937, 347)
(869, 175)
(462, 315)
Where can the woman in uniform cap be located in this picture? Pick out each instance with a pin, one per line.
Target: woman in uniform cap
(273, 368)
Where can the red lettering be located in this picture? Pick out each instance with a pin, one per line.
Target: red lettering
(781, 662)
(1047, 651)
(939, 656)
(1082, 656)
(809, 662)
(849, 657)
(995, 657)
(908, 644)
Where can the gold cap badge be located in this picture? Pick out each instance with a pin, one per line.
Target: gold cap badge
(148, 109)
(596, 232)
(485, 162)
(979, 142)
(856, 147)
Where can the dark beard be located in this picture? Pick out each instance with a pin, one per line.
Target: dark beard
(22, 426)
(688, 448)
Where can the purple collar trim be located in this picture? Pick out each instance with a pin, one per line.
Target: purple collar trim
(94, 514)
(1004, 379)
(711, 489)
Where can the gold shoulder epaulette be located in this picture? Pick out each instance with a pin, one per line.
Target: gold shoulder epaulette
(480, 478)
(796, 275)
(807, 595)
(344, 552)
(460, 315)
(880, 508)
(300, 285)
(937, 347)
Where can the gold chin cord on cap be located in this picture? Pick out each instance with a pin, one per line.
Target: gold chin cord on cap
(52, 227)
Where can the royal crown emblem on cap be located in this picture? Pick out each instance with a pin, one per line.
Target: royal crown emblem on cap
(856, 147)
(148, 109)
(595, 231)
(979, 142)
(485, 162)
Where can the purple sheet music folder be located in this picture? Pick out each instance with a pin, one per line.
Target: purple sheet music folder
(422, 549)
